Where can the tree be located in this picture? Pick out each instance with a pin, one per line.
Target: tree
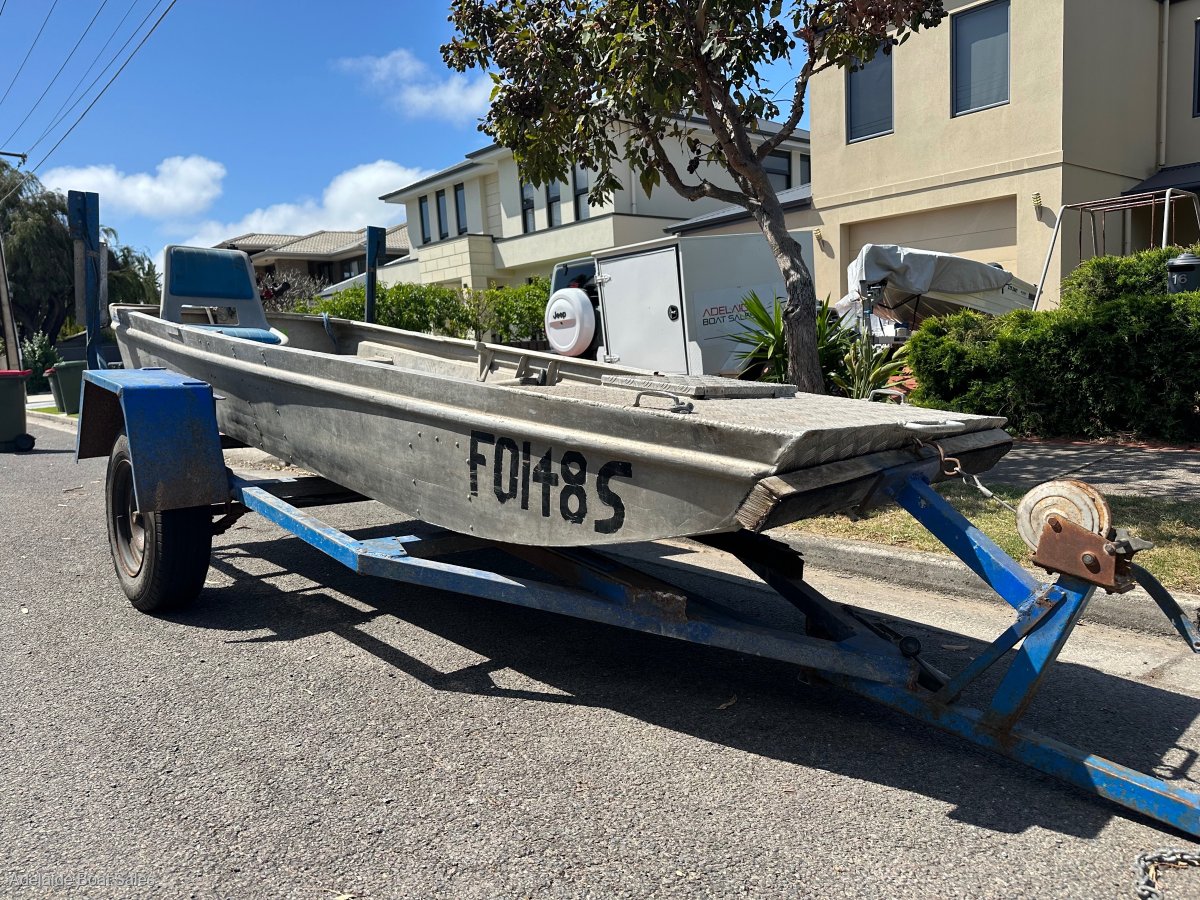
(132, 276)
(595, 82)
(37, 247)
(41, 257)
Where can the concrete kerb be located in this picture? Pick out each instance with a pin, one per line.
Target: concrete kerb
(62, 422)
(1134, 611)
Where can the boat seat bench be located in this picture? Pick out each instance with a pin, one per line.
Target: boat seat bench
(240, 331)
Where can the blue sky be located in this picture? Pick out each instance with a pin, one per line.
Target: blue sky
(260, 115)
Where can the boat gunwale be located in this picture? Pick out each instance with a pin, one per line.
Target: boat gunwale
(705, 463)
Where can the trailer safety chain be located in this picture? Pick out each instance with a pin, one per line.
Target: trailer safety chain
(952, 468)
(1147, 865)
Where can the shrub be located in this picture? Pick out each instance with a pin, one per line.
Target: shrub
(429, 308)
(1104, 278)
(521, 311)
(302, 290)
(514, 313)
(1098, 367)
(38, 354)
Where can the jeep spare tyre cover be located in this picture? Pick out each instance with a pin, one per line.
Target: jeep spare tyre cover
(570, 321)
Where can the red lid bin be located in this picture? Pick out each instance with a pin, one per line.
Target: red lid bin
(12, 411)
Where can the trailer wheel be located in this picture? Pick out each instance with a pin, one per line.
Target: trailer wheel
(161, 558)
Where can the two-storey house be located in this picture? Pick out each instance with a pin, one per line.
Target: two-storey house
(968, 138)
(476, 223)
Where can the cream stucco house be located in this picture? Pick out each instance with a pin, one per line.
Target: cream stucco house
(968, 138)
(477, 224)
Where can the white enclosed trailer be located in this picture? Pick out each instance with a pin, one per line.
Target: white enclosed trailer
(668, 305)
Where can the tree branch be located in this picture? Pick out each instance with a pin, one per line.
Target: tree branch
(688, 191)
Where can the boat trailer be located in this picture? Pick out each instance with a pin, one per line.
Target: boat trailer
(168, 492)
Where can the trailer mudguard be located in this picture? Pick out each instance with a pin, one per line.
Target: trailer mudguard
(171, 423)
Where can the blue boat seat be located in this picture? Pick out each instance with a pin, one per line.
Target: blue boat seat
(200, 277)
(262, 335)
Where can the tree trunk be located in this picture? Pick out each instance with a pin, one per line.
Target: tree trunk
(800, 312)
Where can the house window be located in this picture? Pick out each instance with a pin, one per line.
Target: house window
(460, 207)
(443, 218)
(527, 221)
(806, 170)
(1196, 86)
(554, 203)
(979, 58)
(426, 234)
(778, 166)
(579, 178)
(869, 98)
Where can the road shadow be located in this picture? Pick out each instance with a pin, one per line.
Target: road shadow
(46, 451)
(683, 687)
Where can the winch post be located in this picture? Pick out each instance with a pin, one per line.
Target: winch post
(981, 554)
(1046, 616)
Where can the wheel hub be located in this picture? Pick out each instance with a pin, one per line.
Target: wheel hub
(128, 526)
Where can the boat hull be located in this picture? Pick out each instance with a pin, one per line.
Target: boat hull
(479, 458)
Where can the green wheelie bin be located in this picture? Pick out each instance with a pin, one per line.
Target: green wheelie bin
(70, 384)
(12, 411)
(52, 377)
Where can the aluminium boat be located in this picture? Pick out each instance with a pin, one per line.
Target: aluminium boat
(525, 447)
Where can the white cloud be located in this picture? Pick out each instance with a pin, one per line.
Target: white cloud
(385, 71)
(180, 186)
(349, 201)
(413, 90)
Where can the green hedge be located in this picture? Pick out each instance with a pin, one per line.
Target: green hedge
(1111, 277)
(413, 307)
(513, 313)
(1103, 365)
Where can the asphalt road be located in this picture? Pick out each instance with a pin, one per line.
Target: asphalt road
(305, 732)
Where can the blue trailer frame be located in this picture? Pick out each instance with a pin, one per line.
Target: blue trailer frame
(170, 424)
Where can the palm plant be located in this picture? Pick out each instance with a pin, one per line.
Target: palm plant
(765, 341)
(834, 340)
(869, 366)
(765, 356)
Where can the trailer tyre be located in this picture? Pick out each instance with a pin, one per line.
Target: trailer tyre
(161, 558)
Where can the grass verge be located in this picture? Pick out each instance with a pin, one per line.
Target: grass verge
(54, 411)
(1173, 526)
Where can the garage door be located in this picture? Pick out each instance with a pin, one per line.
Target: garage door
(986, 231)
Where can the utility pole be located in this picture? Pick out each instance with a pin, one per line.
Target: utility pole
(12, 343)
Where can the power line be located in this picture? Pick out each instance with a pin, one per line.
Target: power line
(96, 99)
(70, 56)
(59, 115)
(31, 46)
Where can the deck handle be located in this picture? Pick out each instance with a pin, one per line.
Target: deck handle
(680, 406)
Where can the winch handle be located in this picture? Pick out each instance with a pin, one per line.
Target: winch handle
(935, 428)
